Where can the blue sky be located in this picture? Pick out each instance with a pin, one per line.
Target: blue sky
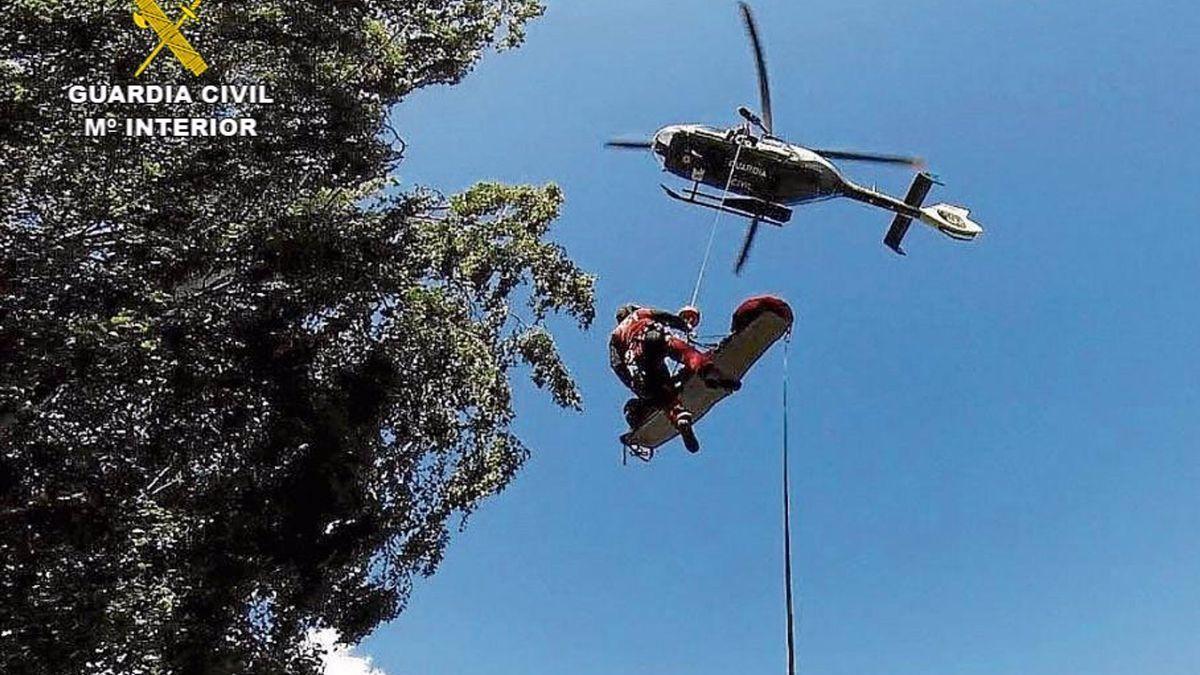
(995, 444)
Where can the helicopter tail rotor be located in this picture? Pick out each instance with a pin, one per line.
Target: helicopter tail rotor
(952, 221)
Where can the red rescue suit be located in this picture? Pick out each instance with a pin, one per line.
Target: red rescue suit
(638, 349)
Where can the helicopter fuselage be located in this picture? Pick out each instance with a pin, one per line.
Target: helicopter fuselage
(767, 168)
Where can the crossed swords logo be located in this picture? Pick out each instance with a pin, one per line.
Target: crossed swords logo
(150, 15)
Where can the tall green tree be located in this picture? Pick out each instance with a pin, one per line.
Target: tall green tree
(248, 386)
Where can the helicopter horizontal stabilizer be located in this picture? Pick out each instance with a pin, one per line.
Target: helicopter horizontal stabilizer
(915, 197)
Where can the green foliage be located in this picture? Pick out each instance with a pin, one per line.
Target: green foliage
(247, 386)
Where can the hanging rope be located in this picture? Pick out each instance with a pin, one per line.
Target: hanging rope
(787, 523)
(712, 230)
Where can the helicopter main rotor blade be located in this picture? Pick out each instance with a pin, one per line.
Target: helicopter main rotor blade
(915, 162)
(747, 244)
(628, 145)
(760, 62)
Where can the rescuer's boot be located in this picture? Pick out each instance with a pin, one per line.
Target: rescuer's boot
(682, 419)
(689, 439)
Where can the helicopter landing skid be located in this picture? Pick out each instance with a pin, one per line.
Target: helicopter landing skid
(746, 207)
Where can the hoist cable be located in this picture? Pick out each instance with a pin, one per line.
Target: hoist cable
(712, 230)
(787, 524)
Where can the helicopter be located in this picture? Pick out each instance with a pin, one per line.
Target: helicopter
(766, 175)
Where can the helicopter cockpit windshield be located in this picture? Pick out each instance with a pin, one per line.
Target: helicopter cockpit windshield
(662, 140)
